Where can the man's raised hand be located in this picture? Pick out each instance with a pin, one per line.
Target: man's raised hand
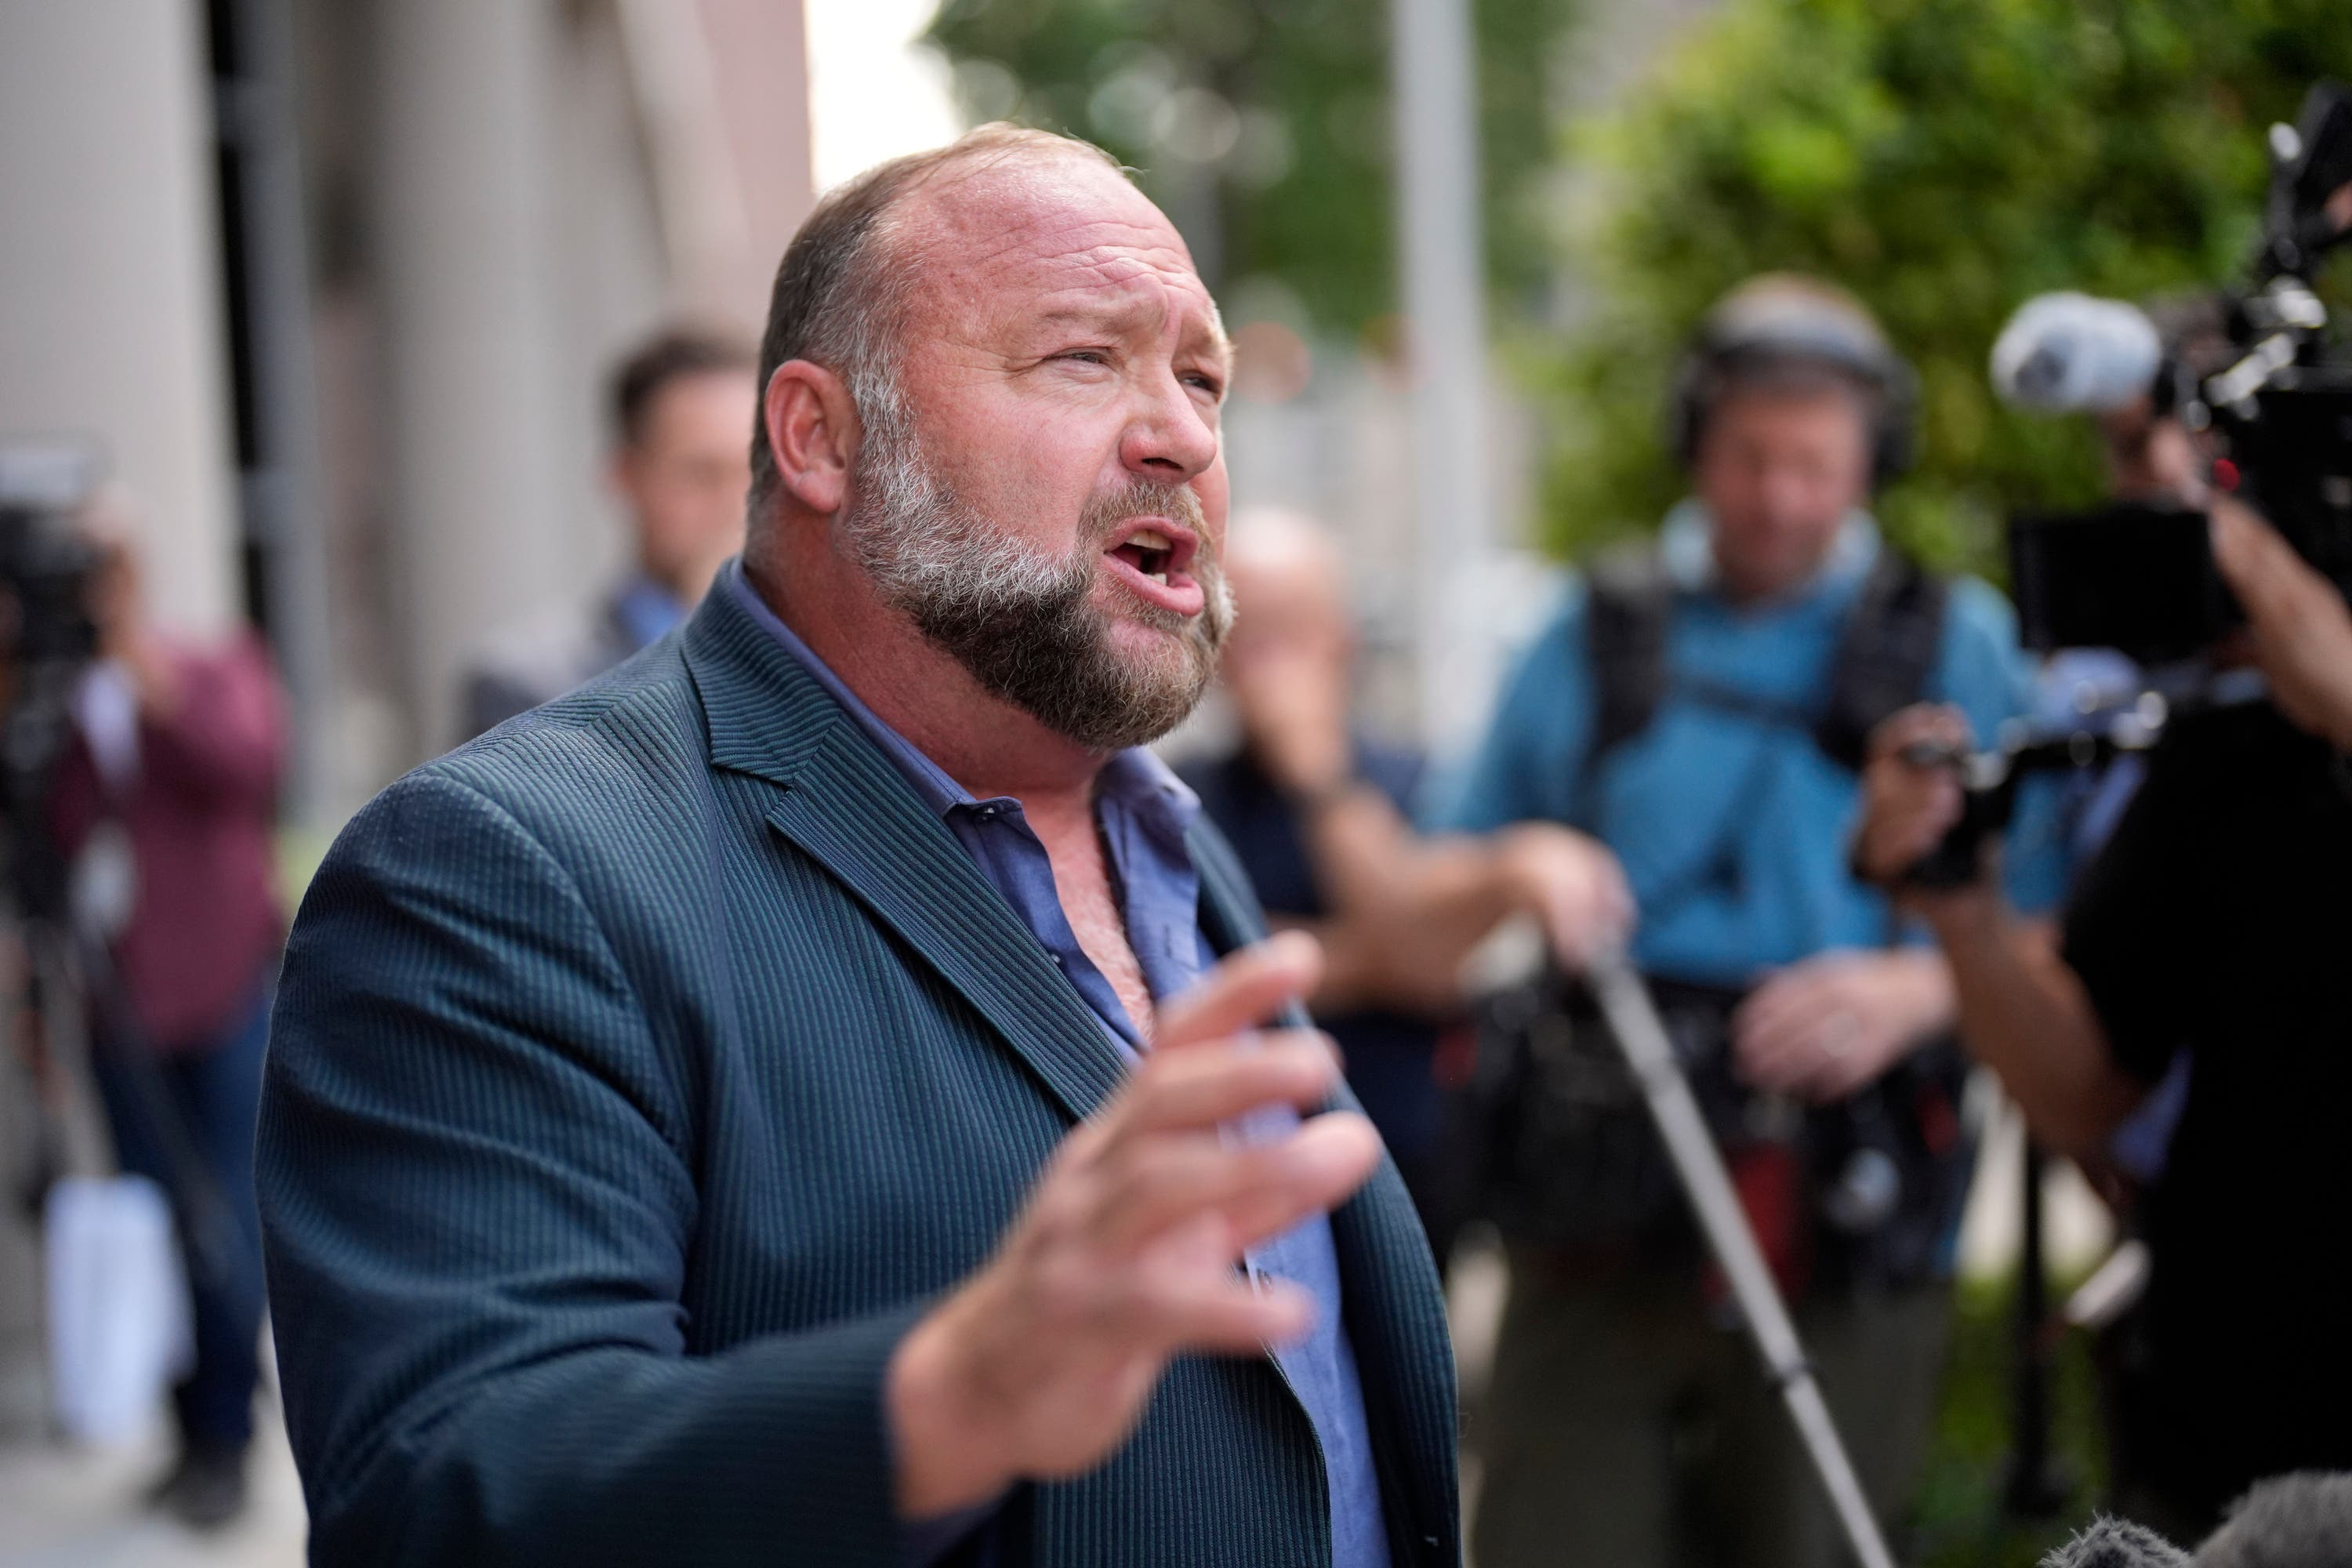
(1039, 1365)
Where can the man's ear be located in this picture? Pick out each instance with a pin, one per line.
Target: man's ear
(813, 430)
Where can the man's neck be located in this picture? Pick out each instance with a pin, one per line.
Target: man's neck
(976, 738)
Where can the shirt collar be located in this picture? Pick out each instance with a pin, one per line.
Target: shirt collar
(1687, 546)
(1138, 781)
(1135, 779)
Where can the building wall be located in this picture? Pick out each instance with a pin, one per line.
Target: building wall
(508, 193)
(110, 250)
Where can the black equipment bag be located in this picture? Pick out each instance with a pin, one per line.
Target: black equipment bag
(1554, 1145)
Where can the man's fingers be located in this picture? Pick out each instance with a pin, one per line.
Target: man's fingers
(1766, 1045)
(1226, 1316)
(1248, 988)
(1260, 1190)
(1931, 722)
(1199, 1089)
(1908, 816)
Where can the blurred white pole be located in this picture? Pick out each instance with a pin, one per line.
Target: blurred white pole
(110, 273)
(1436, 130)
(463, 192)
(699, 195)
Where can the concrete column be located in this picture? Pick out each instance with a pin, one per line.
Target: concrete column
(758, 52)
(485, 482)
(110, 309)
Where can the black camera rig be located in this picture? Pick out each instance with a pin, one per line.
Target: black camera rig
(2142, 579)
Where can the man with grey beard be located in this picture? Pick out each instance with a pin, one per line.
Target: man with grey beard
(821, 1093)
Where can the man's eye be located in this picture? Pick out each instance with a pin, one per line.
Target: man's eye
(1208, 384)
(1085, 356)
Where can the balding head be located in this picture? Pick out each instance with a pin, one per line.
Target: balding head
(1289, 579)
(843, 289)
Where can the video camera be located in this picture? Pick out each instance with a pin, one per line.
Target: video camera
(2142, 579)
(47, 637)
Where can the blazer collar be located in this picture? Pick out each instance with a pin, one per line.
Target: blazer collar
(846, 805)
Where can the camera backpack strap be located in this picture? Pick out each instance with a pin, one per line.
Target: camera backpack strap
(1629, 602)
(1886, 657)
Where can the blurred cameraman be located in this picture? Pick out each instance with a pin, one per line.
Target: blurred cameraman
(165, 801)
(2214, 921)
(1702, 711)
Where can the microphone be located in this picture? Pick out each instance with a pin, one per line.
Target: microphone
(2067, 353)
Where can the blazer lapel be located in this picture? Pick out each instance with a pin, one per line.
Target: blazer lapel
(842, 802)
(855, 815)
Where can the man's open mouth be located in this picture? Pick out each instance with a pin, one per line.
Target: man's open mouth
(1148, 550)
(1154, 558)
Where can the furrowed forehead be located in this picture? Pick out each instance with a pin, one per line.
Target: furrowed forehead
(1068, 242)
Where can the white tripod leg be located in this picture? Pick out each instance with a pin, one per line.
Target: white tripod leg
(1633, 1019)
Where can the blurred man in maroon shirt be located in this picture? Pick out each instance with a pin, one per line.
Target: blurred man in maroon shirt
(165, 803)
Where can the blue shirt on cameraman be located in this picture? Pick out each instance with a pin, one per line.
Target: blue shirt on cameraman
(1732, 829)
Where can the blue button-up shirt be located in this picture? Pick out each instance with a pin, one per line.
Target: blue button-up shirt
(1733, 831)
(1144, 811)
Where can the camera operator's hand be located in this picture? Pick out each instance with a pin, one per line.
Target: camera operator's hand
(1821, 1029)
(118, 610)
(2302, 628)
(1040, 1364)
(1908, 801)
(1571, 883)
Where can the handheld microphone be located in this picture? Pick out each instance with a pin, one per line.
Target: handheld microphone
(2069, 352)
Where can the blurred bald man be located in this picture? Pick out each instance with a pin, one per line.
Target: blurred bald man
(1321, 815)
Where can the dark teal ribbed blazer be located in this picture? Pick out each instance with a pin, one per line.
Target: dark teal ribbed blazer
(640, 1072)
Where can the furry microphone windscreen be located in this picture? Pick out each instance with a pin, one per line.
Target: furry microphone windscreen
(2292, 1522)
(2117, 1544)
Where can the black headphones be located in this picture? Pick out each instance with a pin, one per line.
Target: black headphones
(1783, 319)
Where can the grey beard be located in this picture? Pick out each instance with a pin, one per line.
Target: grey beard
(1023, 621)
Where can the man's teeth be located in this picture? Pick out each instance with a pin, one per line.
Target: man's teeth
(1150, 539)
(1159, 577)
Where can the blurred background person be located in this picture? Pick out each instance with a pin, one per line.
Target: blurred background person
(2150, 361)
(680, 405)
(165, 803)
(1321, 813)
(1282, 797)
(1700, 710)
(2212, 922)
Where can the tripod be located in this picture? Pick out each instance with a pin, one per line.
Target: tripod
(1641, 1035)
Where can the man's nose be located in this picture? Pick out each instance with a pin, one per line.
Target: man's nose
(1785, 495)
(1173, 435)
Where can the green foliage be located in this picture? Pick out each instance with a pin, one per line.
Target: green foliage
(1261, 126)
(1958, 1516)
(1945, 159)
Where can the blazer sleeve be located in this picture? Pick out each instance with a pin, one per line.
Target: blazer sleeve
(478, 1195)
